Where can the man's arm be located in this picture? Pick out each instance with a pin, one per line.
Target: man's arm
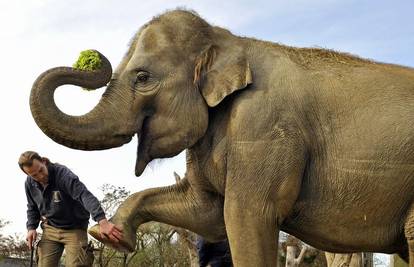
(33, 215)
(33, 218)
(78, 191)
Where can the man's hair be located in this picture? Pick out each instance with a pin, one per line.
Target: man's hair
(26, 159)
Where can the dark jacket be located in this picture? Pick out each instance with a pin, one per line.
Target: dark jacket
(216, 254)
(65, 202)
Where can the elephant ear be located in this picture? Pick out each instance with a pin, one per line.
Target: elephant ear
(220, 72)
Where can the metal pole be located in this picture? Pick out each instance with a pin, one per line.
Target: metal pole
(31, 256)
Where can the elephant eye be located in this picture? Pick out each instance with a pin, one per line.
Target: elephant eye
(142, 77)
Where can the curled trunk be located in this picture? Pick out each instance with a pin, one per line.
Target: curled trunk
(97, 129)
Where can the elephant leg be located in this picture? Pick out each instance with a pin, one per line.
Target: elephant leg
(178, 205)
(253, 239)
(259, 195)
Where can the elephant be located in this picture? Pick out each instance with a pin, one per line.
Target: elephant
(314, 142)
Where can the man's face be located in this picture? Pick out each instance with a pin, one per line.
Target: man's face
(38, 171)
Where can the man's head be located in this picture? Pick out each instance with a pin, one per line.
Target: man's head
(34, 165)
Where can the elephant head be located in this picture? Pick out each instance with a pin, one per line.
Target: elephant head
(176, 69)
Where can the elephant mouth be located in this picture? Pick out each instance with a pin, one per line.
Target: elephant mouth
(142, 157)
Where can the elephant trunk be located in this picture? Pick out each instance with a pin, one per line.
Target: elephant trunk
(97, 129)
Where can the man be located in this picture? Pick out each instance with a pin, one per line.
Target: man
(56, 197)
(213, 254)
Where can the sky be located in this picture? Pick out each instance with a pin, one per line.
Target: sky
(40, 34)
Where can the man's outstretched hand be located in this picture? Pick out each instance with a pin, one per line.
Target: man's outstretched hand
(110, 231)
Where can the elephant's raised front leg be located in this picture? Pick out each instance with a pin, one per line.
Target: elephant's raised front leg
(177, 205)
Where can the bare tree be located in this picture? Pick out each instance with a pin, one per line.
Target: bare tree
(293, 245)
(344, 260)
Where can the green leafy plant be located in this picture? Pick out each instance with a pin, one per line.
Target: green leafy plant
(88, 60)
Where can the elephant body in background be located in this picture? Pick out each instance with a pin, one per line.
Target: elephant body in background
(309, 141)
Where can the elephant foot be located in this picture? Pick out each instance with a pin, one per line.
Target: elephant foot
(125, 245)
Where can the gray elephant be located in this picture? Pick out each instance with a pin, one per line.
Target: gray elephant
(313, 142)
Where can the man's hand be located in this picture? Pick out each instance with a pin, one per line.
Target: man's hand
(109, 230)
(31, 237)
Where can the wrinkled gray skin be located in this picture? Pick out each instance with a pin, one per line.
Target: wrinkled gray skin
(309, 141)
